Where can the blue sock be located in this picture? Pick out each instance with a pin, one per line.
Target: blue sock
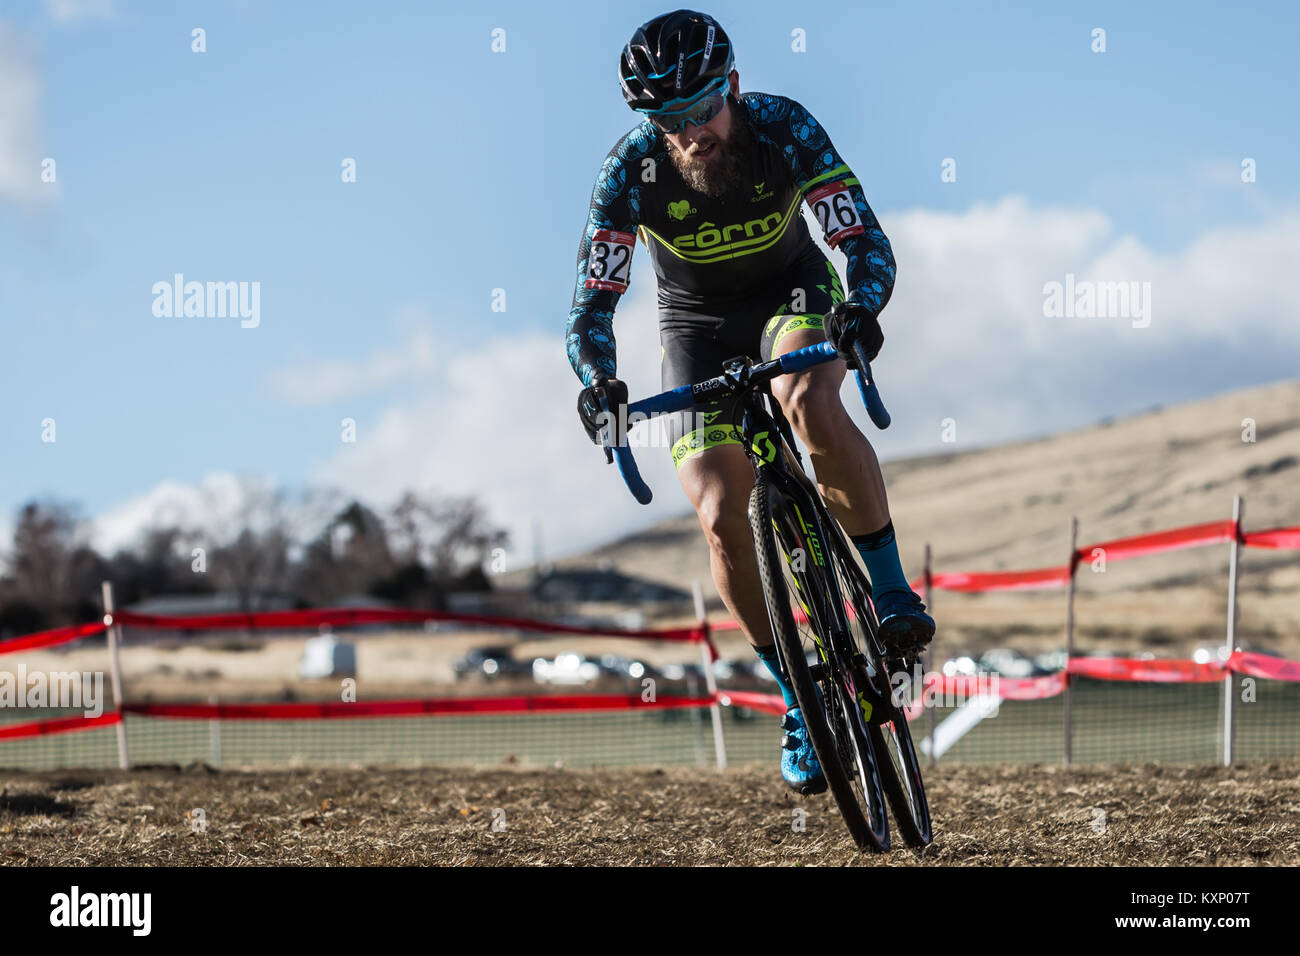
(880, 554)
(768, 656)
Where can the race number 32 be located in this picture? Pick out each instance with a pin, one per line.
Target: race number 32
(833, 206)
(609, 263)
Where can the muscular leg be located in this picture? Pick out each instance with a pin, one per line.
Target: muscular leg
(848, 473)
(718, 481)
(849, 478)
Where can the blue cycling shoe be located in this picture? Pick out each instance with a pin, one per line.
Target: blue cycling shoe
(799, 765)
(905, 628)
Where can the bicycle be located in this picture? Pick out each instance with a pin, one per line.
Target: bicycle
(846, 697)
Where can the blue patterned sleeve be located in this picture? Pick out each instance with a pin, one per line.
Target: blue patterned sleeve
(604, 256)
(829, 188)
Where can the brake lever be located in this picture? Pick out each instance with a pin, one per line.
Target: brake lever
(867, 386)
(626, 462)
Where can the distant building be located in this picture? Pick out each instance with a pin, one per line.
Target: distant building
(200, 605)
(219, 602)
(604, 585)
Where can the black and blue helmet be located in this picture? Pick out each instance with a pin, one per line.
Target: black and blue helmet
(672, 58)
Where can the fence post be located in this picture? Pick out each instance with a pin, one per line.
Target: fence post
(115, 673)
(1069, 643)
(929, 659)
(706, 655)
(1231, 639)
(214, 735)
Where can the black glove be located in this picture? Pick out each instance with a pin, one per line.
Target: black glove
(849, 322)
(593, 420)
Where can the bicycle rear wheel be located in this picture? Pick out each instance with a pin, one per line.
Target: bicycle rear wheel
(891, 737)
(837, 732)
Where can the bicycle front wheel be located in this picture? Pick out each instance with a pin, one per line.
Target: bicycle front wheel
(891, 737)
(793, 571)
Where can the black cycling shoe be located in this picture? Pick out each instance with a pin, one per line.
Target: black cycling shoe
(905, 628)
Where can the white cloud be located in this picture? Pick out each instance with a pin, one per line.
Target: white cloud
(218, 508)
(965, 334)
(500, 421)
(20, 92)
(318, 381)
(965, 338)
(220, 497)
(71, 11)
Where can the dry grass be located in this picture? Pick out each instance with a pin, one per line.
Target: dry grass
(1154, 815)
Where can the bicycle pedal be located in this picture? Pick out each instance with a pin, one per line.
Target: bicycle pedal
(818, 672)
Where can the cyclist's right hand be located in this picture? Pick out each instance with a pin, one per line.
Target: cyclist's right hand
(593, 419)
(850, 322)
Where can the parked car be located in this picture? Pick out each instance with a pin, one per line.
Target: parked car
(1210, 652)
(960, 667)
(723, 671)
(566, 669)
(490, 663)
(679, 672)
(626, 668)
(1009, 663)
(1052, 661)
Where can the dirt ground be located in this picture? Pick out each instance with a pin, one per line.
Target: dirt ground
(1140, 815)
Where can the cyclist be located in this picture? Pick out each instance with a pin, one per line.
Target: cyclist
(710, 181)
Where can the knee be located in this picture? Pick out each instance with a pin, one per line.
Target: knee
(812, 404)
(725, 521)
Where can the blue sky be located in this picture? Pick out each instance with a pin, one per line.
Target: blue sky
(474, 170)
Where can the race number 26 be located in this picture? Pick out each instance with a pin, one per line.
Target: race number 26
(609, 262)
(833, 206)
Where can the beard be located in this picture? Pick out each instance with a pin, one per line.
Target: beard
(720, 173)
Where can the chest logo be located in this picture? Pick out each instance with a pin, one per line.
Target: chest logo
(681, 209)
(710, 237)
(759, 194)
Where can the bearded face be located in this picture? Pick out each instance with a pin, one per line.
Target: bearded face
(712, 162)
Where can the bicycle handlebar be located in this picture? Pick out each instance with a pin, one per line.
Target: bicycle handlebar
(870, 394)
(682, 398)
(631, 474)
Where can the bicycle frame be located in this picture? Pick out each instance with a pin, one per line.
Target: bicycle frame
(769, 443)
(839, 652)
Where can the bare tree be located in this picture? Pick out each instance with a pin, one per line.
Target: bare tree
(321, 547)
(250, 553)
(449, 536)
(46, 537)
(349, 556)
(464, 538)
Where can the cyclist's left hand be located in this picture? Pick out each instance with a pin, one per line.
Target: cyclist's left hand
(848, 322)
(593, 419)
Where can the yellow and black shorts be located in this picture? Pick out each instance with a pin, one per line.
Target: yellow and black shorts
(694, 346)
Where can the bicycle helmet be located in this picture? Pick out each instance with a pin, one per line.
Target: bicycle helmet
(672, 58)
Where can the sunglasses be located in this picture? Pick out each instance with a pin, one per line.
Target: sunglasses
(700, 111)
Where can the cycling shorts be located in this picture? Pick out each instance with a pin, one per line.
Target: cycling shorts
(694, 346)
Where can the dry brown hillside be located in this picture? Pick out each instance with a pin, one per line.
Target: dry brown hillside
(1008, 507)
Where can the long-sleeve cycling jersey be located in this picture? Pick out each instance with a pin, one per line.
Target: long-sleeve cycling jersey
(708, 251)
